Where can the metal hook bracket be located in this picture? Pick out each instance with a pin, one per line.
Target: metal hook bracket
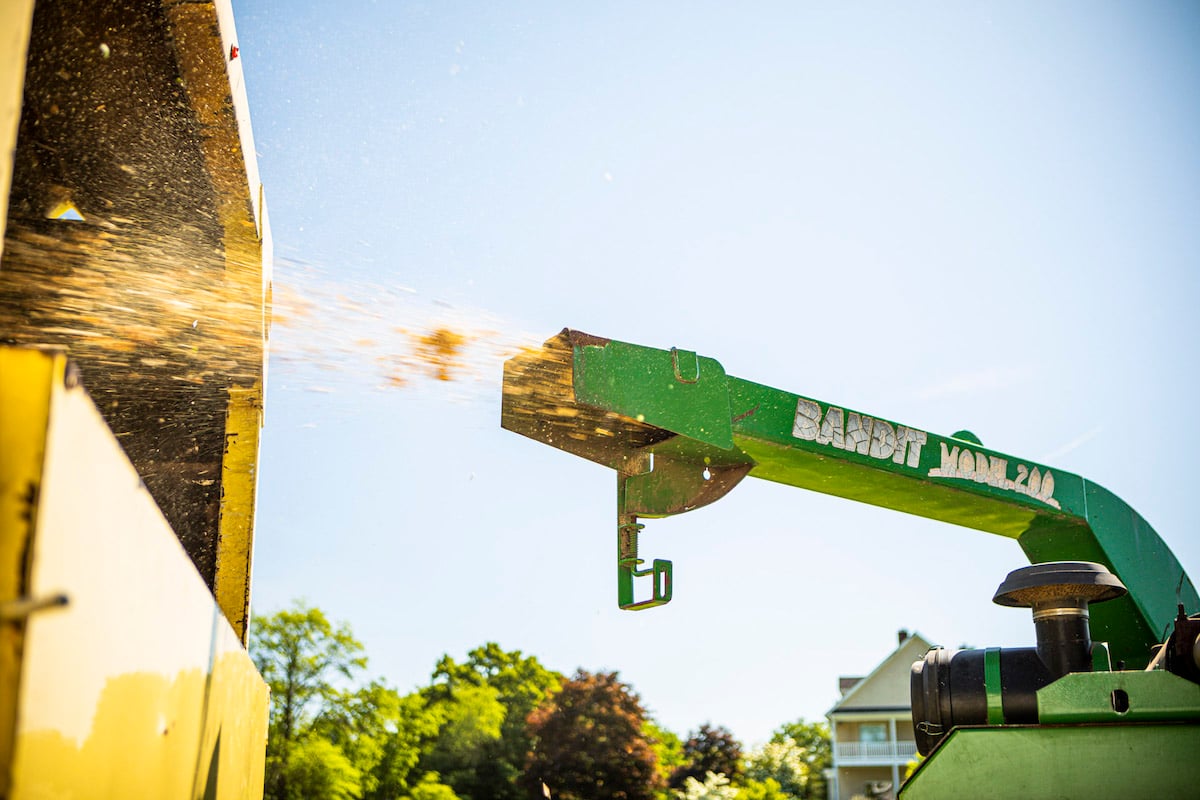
(686, 365)
(629, 567)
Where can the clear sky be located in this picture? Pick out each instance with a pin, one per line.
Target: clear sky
(964, 215)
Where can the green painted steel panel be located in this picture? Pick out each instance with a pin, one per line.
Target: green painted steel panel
(675, 390)
(1123, 697)
(1062, 763)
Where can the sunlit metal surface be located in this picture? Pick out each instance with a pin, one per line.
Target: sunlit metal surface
(137, 686)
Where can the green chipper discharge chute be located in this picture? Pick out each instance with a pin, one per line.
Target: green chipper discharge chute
(1051, 721)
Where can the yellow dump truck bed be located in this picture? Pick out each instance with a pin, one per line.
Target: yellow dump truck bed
(134, 307)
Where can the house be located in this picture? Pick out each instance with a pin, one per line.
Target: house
(871, 726)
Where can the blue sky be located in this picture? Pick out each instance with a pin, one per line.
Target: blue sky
(974, 215)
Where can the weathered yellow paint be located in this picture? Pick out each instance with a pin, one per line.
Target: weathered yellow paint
(124, 691)
(15, 18)
(25, 380)
(229, 732)
(238, 489)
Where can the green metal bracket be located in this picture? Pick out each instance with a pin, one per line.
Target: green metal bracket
(628, 568)
(666, 485)
(628, 563)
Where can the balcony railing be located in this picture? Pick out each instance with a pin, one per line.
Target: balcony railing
(874, 752)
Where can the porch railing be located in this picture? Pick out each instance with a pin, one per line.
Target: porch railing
(874, 752)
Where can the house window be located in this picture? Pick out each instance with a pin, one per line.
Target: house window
(872, 732)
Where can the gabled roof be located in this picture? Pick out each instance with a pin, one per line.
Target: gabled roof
(889, 679)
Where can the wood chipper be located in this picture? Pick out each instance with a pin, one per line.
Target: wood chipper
(1107, 704)
(134, 298)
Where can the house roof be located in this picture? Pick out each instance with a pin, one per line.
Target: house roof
(887, 685)
(847, 682)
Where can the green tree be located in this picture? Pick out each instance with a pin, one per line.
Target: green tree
(668, 755)
(521, 682)
(382, 733)
(300, 655)
(769, 789)
(430, 787)
(318, 768)
(715, 786)
(589, 743)
(467, 739)
(709, 749)
(783, 763)
(478, 760)
(329, 736)
(815, 751)
(409, 735)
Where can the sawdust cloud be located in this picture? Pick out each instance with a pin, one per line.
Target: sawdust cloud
(147, 321)
(332, 334)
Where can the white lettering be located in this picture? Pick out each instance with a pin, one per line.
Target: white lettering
(901, 444)
(966, 464)
(997, 471)
(982, 469)
(883, 440)
(808, 418)
(833, 429)
(858, 433)
(1047, 492)
(949, 467)
(917, 439)
(993, 470)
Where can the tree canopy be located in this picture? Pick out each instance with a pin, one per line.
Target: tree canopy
(589, 742)
(329, 738)
(805, 743)
(299, 653)
(482, 745)
(709, 749)
(497, 725)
